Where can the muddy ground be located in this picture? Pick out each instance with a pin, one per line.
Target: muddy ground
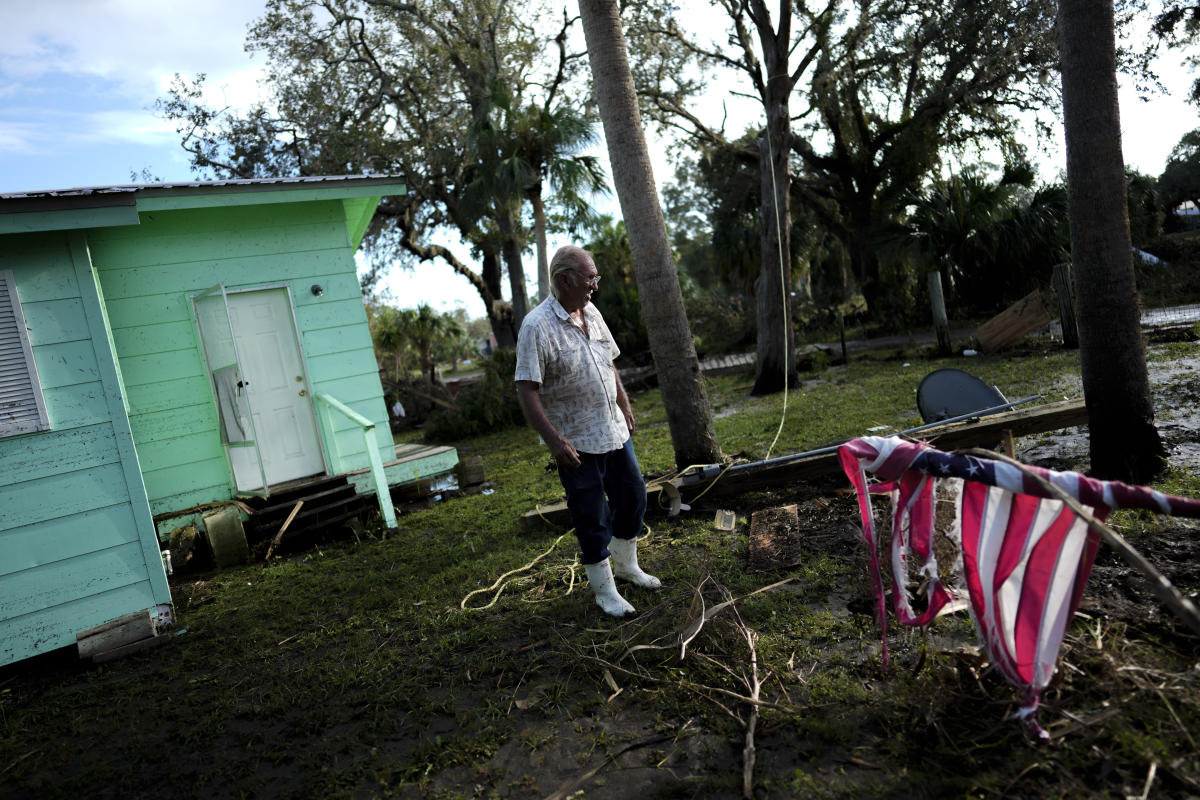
(559, 702)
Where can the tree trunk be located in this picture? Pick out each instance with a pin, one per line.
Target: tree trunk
(499, 313)
(510, 248)
(539, 235)
(775, 367)
(1064, 288)
(689, 415)
(1124, 442)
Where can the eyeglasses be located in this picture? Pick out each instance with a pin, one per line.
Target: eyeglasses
(593, 282)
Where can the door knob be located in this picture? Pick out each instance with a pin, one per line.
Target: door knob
(302, 393)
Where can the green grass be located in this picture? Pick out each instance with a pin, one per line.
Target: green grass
(353, 671)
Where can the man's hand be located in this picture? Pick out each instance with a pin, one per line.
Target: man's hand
(564, 452)
(624, 405)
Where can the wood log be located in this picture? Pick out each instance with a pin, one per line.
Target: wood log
(1012, 324)
(782, 472)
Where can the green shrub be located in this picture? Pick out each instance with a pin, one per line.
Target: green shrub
(489, 404)
(720, 325)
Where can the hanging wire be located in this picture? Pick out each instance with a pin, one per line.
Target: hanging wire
(783, 288)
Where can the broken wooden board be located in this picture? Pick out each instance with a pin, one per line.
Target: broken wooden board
(115, 636)
(1011, 325)
(974, 432)
(775, 541)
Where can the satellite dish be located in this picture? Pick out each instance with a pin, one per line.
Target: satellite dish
(946, 393)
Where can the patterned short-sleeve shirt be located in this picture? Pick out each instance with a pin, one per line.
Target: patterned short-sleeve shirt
(578, 381)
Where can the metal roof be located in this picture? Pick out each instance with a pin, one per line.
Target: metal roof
(158, 188)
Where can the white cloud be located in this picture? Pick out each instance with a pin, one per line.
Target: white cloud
(19, 137)
(137, 44)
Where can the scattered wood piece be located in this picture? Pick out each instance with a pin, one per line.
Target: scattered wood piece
(754, 684)
(1011, 325)
(774, 539)
(951, 436)
(115, 635)
(283, 529)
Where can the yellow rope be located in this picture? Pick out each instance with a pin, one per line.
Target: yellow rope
(500, 582)
(787, 357)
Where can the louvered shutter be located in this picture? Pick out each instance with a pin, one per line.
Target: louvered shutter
(22, 409)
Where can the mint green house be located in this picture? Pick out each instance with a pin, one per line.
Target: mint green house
(165, 347)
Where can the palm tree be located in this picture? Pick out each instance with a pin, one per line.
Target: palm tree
(391, 342)
(689, 415)
(547, 147)
(1124, 443)
(421, 329)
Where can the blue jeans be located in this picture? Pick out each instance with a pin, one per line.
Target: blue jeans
(606, 497)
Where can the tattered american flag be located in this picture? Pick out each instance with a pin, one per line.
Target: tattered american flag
(1026, 555)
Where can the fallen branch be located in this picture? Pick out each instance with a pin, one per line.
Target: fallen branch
(282, 529)
(755, 686)
(689, 631)
(699, 688)
(570, 788)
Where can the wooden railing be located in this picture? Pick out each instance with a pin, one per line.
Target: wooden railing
(328, 403)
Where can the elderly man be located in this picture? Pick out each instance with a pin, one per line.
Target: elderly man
(573, 397)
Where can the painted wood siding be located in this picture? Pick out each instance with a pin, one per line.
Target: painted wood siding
(74, 522)
(148, 274)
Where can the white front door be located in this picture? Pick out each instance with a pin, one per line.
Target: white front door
(285, 424)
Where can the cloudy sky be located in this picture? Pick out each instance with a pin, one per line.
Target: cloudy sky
(78, 81)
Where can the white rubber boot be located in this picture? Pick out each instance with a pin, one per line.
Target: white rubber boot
(600, 576)
(625, 564)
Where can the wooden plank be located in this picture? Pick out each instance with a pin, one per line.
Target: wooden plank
(334, 367)
(162, 337)
(413, 464)
(953, 436)
(180, 450)
(173, 480)
(774, 539)
(338, 286)
(362, 390)
(53, 628)
(129, 312)
(408, 452)
(237, 272)
(68, 219)
(149, 398)
(49, 585)
(106, 359)
(55, 321)
(26, 503)
(38, 261)
(190, 498)
(352, 340)
(1009, 326)
(234, 197)
(31, 458)
(115, 634)
(168, 224)
(66, 537)
(330, 314)
(183, 420)
(66, 364)
(156, 367)
(76, 406)
(199, 239)
(129, 649)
